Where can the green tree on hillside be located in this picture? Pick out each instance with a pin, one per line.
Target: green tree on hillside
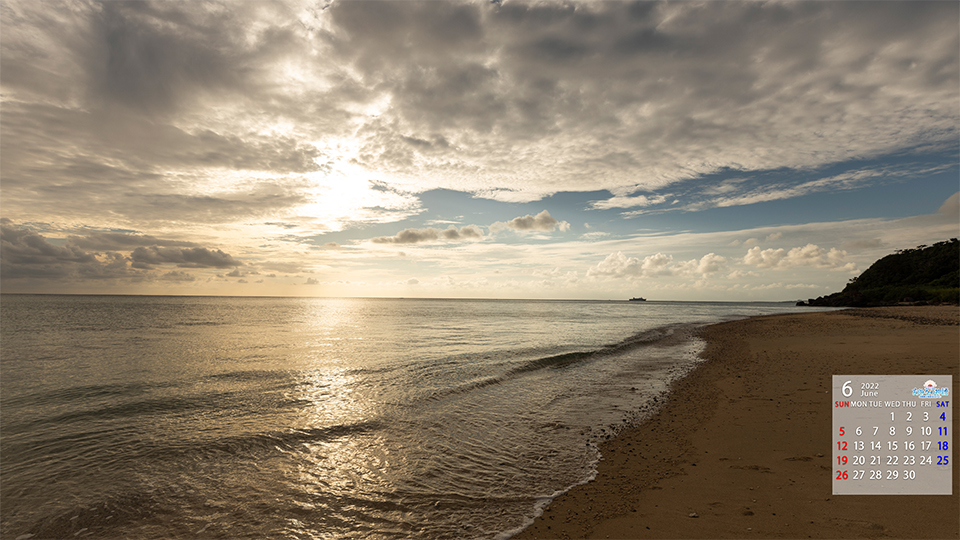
(925, 274)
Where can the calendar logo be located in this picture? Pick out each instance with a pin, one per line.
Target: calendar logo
(930, 390)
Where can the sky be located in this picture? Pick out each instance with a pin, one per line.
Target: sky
(729, 151)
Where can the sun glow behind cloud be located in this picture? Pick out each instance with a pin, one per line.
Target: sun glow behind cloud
(343, 193)
(337, 202)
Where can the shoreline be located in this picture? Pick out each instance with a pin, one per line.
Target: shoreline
(742, 449)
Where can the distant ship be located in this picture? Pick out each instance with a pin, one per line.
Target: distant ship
(640, 299)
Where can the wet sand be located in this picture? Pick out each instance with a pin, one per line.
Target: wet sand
(743, 447)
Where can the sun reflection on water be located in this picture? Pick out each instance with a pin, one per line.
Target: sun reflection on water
(343, 465)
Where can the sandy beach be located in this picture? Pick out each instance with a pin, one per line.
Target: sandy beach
(742, 449)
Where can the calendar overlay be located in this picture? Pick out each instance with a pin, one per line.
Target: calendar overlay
(892, 434)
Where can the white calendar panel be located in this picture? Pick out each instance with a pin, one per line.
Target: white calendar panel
(892, 435)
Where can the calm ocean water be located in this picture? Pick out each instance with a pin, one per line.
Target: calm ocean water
(204, 417)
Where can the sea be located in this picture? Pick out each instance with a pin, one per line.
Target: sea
(226, 417)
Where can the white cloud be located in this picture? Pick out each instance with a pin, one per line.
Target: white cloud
(711, 263)
(863, 243)
(768, 258)
(738, 274)
(840, 182)
(656, 265)
(951, 207)
(177, 275)
(808, 255)
(628, 202)
(618, 265)
(554, 272)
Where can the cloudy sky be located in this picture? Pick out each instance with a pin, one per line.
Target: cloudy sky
(674, 150)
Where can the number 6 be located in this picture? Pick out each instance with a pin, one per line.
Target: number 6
(847, 390)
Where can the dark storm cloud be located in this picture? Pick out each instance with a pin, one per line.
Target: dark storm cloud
(111, 241)
(374, 35)
(409, 236)
(540, 222)
(416, 236)
(149, 57)
(24, 253)
(23, 246)
(469, 232)
(146, 257)
(156, 57)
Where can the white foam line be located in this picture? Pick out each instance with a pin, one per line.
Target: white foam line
(542, 502)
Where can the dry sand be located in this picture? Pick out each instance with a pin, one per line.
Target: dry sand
(743, 447)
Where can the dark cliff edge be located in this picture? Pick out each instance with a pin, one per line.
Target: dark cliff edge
(924, 275)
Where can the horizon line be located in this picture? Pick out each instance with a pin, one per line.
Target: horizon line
(399, 298)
